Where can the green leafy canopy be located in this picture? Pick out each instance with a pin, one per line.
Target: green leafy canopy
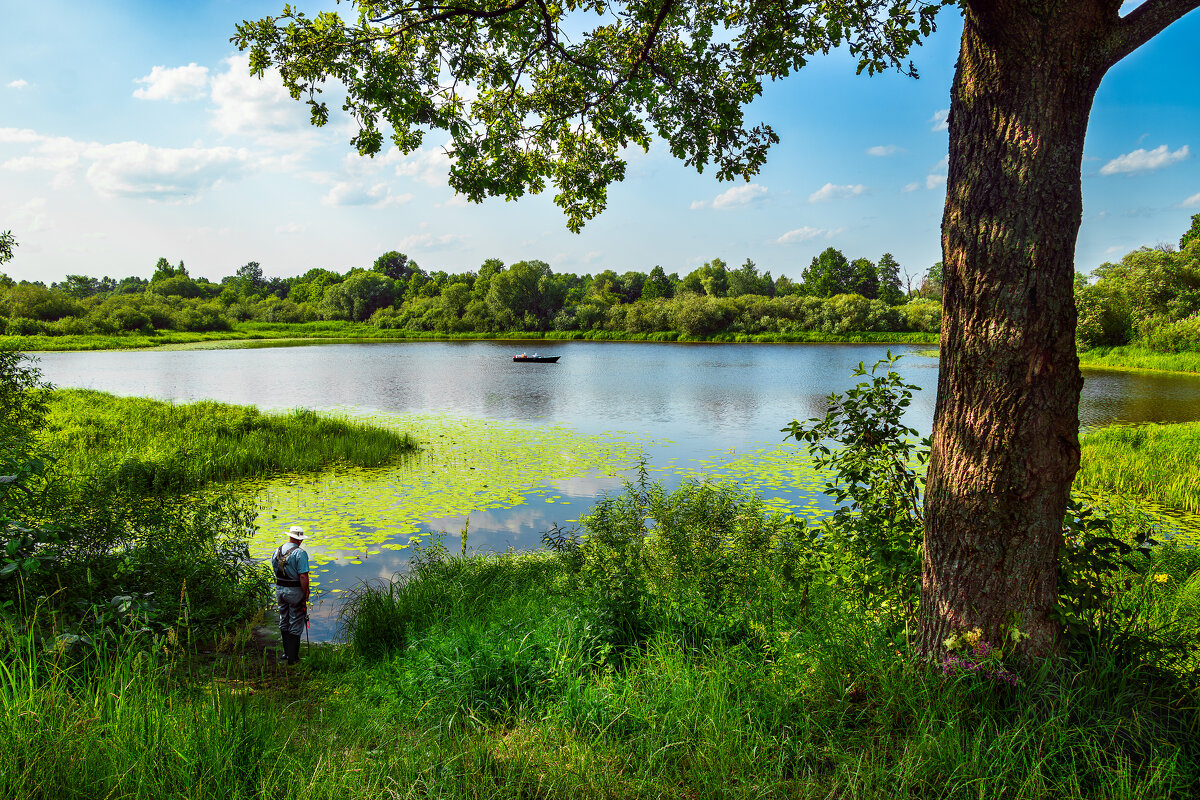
(533, 92)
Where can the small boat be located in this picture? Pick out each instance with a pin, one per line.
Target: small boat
(536, 359)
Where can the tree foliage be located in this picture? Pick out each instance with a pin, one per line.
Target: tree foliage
(526, 105)
(829, 273)
(7, 243)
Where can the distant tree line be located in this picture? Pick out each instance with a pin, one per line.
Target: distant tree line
(835, 295)
(1150, 298)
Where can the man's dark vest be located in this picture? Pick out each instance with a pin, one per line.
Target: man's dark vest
(279, 564)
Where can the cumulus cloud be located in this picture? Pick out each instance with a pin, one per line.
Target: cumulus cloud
(174, 84)
(940, 120)
(430, 167)
(133, 169)
(884, 150)
(19, 83)
(934, 181)
(129, 169)
(1142, 160)
(350, 193)
(800, 235)
(260, 108)
(733, 197)
(19, 136)
(833, 192)
(1194, 200)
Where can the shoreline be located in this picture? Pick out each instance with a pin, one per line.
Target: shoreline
(1125, 359)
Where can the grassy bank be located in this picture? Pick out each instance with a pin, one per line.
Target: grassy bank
(1131, 357)
(151, 446)
(505, 684)
(1155, 463)
(352, 331)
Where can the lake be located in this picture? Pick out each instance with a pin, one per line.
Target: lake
(512, 449)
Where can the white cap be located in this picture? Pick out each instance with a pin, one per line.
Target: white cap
(296, 532)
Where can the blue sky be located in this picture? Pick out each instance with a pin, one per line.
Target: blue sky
(131, 130)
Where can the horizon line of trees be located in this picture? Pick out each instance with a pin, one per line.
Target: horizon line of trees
(1150, 298)
(835, 294)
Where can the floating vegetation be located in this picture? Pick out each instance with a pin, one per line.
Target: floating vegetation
(472, 468)
(464, 465)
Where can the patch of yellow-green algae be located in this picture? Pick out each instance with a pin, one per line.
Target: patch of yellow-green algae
(467, 465)
(464, 465)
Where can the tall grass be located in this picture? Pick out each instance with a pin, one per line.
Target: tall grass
(725, 698)
(1155, 463)
(502, 686)
(151, 446)
(1134, 357)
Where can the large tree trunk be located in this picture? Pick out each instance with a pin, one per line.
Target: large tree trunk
(1005, 432)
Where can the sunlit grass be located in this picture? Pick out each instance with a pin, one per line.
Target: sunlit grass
(1133, 357)
(491, 676)
(1155, 463)
(152, 446)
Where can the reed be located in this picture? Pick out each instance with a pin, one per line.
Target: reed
(152, 446)
(1152, 463)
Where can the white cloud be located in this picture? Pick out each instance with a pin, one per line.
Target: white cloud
(934, 181)
(133, 169)
(833, 192)
(350, 193)
(1194, 200)
(733, 197)
(430, 167)
(291, 227)
(19, 136)
(429, 241)
(19, 83)
(174, 84)
(260, 108)
(128, 169)
(800, 235)
(30, 217)
(940, 120)
(911, 187)
(884, 150)
(1141, 160)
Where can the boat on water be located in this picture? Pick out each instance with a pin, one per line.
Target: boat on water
(536, 359)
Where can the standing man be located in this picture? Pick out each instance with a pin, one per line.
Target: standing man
(290, 563)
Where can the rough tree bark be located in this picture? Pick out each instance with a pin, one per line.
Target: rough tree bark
(1005, 435)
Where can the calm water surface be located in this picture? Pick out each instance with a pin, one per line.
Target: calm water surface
(686, 402)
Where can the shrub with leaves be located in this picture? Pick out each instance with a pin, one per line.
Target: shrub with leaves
(876, 466)
(705, 562)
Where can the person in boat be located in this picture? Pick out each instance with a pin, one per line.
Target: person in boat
(290, 563)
